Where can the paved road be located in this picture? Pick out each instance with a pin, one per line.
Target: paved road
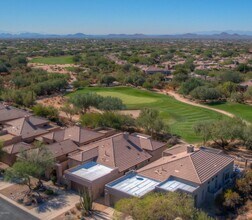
(9, 211)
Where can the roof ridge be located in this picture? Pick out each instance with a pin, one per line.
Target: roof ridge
(20, 131)
(148, 168)
(27, 119)
(194, 165)
(112, 141)
(79, 138)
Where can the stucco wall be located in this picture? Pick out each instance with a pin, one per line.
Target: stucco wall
(96, 187)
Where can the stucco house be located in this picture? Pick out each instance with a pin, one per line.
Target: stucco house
(120, 153)
(202, 173)
(11, 151)
(80, 136)
(28, 127)
(8, 113)
(153, 69)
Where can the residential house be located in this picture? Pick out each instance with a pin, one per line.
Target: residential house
(153, 69)
(8, 113)
(11, 151)
(79, 135)
(61, 151)
(202, 173)
(117, 154)
(28, 128)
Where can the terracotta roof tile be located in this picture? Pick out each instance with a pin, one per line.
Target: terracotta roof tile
(25, 128)
(196, 167)
(16, 148)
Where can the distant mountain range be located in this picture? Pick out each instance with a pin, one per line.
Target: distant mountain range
(229, 35)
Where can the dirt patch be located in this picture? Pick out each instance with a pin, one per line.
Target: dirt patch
(57, 101)
(132, 113)
(57, 68)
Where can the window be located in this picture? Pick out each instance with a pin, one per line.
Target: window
(216, 183)
(226, 177)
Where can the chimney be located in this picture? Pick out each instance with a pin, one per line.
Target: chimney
(126, 135)
(190, 149)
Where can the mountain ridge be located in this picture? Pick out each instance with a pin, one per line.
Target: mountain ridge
(221, 35)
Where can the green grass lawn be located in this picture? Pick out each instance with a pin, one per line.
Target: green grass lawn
(240, 110)
(181, 117)
(53, 60)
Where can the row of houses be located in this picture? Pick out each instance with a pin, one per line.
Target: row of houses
(116, 164)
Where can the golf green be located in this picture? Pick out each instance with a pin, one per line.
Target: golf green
(181, 117)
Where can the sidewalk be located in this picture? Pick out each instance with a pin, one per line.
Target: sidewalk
(50, 209)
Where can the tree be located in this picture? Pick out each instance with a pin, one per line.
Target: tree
(227, 88)
(2, 152)
(237, 97)
(205, 93)
(33, 162)
(111, 103)
(77, 58)
(166, 206)
(234, 77)
(248, 93)
(189, 85)
(107, 80)
(107, 119)
(246, 136)
(243, 68)
(204, 130)
(29, 99)
(85, 100)
(244, 185)
(221, 132)
(231, 199)
(46, 111)
(151, 122)
(69, 110)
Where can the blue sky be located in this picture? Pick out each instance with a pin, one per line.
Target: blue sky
(125, 16)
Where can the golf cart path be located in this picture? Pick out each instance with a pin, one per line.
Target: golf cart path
(184, 100)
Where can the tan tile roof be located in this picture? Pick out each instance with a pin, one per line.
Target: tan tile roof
(146, 142)
(75, 133)
(118, 151)
(24, 127)
(35, 120)
(209, 164)
(62, 148)
(10, 113)
(176, 149)
(196, 167)
(2, 106)
(16, 148)
(85, 155)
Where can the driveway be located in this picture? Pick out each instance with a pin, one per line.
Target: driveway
(9, 211)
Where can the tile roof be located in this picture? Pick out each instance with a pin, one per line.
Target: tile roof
(24, 127)
(35, 120)
(62, 148)
(75, 133)
(8, 113)
(146, 142)
(196, 167)
(16, 148)
(119, 150)
(176, 149)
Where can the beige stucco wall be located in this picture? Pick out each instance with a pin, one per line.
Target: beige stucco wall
(95, 187)
(202, 193)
